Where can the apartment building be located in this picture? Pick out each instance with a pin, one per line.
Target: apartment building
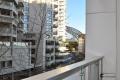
(12, 53)
(39, 30)
(8, 20)
(59, 23)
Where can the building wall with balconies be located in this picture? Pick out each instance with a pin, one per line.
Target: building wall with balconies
(10, 19)
(59, 18)
(50, 52)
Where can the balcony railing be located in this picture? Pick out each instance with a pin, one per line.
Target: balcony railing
(7, 32)
(21, 20)
(8, 19)
(89, 69)
(29, 36)
(21, 3)
(21, 11)
(8, 5)
(16, 1)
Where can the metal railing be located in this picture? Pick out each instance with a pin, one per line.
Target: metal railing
(89, 69)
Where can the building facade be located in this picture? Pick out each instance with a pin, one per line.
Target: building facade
(59, 23)
(39, 30)
(11, 30)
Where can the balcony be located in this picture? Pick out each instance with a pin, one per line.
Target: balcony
(8, 19)
(76, 71)
(49, 51)
(55, 9)
(29, 36)
(21, 21)
(55, 12)
(55, 22)
(50, 62)
(8, 5)
(7, 32)
(50, 46)
(21, 11)
(20, 28)
(16, 1)
(55, 2)
(56, 18)
(21, 3)
(55, 26)
(49, 42)
(55, 5)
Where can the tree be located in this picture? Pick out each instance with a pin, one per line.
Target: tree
(72, 46)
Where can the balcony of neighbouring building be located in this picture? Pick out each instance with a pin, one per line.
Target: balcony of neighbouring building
(55, 26)
(55, 2)
(20, 28)
(20, 11)
(8, 19)
(16, 1)
(55, 22)
(29, 36)
(55, 9)
(55, 5)
(7, 31)
(21, 21)
(8, 5)
(21, 3)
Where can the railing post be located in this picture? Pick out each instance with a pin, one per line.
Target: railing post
(101, 68)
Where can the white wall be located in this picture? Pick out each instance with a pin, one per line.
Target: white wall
(101, 33)
(118, 40)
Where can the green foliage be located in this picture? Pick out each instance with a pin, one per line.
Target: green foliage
(72, 46)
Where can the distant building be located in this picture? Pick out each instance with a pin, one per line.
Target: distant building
(59, 23)
(81, 44)
(39, 30)
(51, 50)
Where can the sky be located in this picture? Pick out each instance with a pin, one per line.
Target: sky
(76, 14)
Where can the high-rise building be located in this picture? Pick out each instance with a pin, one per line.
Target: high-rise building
(39, 30)
(59, 23)
(12, 53)
(8, 20)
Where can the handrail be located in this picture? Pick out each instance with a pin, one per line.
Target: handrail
(66, 71)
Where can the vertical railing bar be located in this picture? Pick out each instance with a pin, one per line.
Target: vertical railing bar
(98, 69)
(101, 74)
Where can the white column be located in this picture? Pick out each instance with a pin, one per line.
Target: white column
(118, 40)
(101, 34)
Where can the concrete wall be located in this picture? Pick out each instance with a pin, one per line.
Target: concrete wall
(118, 40)
(21, 57)
(36, 12)
(101, 34)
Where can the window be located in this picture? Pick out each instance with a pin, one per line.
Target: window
(2, 64)
(9, 64)
(6, 64)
